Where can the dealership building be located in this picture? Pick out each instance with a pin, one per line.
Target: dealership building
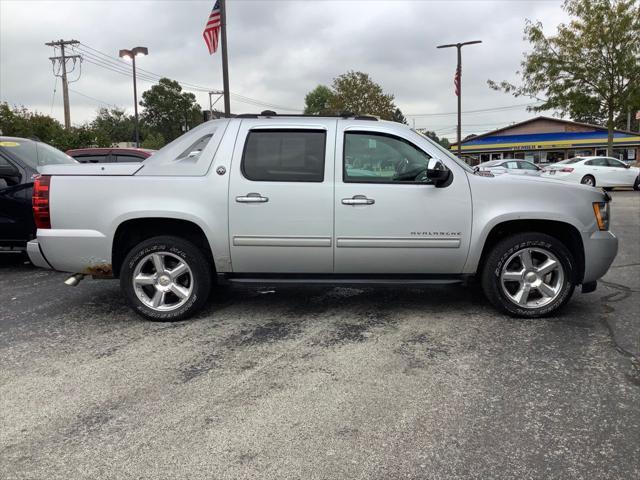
(548, 140)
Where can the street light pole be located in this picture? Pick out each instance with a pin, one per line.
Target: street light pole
(132, 55)
(459, 86)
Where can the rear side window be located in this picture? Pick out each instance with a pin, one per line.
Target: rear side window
(597, 162)
(91, 158)
(284, 156)
(127, 158)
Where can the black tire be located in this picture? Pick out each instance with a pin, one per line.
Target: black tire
(636, 185)
(504, 250)
(588, 180)
(176, 249)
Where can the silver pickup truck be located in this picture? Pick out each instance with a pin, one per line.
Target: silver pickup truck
(336, 200)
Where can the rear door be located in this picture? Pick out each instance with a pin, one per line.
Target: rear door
(387, 222)
(281, 196)
(513, 167)
(598, 168)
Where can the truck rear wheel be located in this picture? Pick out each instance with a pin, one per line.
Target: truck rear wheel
(166, 279)
(528, 275)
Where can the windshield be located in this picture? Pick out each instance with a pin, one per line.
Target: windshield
(572, 160)
(459, 161)
(36, 154)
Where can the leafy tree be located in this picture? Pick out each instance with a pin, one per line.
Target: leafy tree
(154, 141)
(444, 142)
(20, 122)
(591, 68)
(355, 92)
(168, 110)
(113, 126)
(399, 117)
(316, 102)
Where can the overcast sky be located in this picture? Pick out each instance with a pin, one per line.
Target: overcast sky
(278, 51)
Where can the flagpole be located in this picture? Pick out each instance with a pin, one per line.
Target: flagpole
(225, 61)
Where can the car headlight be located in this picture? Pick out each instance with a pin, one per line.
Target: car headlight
(602, 213)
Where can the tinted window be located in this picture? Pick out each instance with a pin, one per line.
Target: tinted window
(47, 155)
(284, 156)
(527, 166)
(35, 154)
(193, 152)
(378, 158)
(612, 162)
(91, 158)
(127, 158)
(597, 162)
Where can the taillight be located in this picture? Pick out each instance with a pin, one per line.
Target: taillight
(40, 201)
(566, 169)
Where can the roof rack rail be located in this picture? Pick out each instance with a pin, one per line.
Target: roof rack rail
(271, 113)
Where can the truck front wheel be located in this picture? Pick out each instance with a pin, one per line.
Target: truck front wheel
(166, 278)
(528, 275)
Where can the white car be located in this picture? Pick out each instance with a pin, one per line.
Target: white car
(514, 166)
(595, 171)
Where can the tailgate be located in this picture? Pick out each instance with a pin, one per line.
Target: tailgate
(92, 169)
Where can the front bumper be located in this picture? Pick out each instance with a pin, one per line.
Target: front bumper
(36, 256)
(600, 249)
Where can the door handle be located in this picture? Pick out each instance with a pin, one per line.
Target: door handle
(252, 198)
(358, 200)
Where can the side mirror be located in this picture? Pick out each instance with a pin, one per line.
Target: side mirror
(626, 165)
(440, 175)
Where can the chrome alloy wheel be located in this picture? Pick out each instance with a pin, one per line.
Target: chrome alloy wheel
(162, 281)
(532, 278)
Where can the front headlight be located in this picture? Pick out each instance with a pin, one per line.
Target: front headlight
(602, 213)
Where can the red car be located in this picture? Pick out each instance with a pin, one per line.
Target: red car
(110, 155)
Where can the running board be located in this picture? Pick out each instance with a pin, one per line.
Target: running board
(295, 279)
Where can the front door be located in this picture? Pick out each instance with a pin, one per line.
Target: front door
(389, 217)
(620, 174)
(281, 197)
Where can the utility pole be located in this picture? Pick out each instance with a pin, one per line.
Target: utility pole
(225, 61)
(458, 84)
(63, 64)
(212, 103)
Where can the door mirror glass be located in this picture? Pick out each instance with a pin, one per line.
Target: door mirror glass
(437, 173)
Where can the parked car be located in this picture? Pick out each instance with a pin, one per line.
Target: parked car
(330, 200)
(596, 172)
(514, 166)
(20, 161)
(110, 155)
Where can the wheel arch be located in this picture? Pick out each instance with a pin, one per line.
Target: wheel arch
(568, 234)
(133, 231)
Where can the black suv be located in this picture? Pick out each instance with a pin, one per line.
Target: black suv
(20, 162)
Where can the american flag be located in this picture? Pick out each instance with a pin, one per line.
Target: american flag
(456, 80)
(212, 28)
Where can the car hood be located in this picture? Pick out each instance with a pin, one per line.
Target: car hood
(533, 180)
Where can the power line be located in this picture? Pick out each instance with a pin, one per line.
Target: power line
(115, 63)
(481, 110)
(93, 98)
(53, 96)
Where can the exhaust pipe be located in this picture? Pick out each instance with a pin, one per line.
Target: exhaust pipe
(74, 279)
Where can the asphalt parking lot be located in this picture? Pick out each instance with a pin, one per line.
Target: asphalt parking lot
(315, 383)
